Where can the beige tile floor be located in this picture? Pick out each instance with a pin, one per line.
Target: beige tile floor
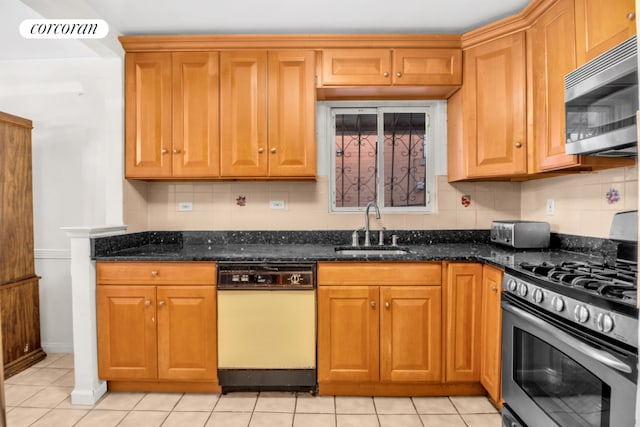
(39, 396)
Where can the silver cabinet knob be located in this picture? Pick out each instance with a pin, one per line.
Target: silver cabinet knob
(373, 304)
(387, 304)
(147, 303)
(385, 74)
(631, 16)
(176, 151)
(518, 144)
(154, 273)
(161, 303)
(260, 150)
(164, 151)
(273, 150)
(398, 74)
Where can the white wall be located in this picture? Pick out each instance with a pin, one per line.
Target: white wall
(76, 105)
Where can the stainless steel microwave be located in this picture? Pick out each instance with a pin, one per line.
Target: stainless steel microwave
(601, 102)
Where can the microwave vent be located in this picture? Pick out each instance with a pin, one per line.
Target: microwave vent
(626, 50)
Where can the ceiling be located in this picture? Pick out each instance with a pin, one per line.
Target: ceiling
(135, 17)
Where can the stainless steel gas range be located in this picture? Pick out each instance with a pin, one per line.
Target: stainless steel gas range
(570, 339)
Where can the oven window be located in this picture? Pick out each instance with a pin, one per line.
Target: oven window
(561, 387)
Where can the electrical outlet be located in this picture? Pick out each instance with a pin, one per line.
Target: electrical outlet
(185, 206)
(551, 206)
(277, 204)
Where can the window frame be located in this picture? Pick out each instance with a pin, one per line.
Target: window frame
(431, 108)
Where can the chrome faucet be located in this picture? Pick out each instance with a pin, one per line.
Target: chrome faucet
(367, 240)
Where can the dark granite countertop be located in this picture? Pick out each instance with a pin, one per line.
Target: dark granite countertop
(293, 246)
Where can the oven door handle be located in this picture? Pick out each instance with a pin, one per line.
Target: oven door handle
(599, 355)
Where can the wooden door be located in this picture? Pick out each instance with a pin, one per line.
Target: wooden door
(427, 67)
(195, 150)
(16, 212)
(148, 142)
(410, 334)
(348, 339)
(602, 24)
(491, 332)
(356, 67)
(554, 55)
(495, 107)
(187, 333)
(243, 113)
(126, 319)
(462, 322)
(292, 116)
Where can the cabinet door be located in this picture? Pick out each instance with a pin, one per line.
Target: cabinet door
(292, 135)
(19, 307)
(491, 332)
(427, 67)
(187, 333)
(16, 212)
(602, 24)
(410, 334)
(462, 322)
(148, 115)
(554, 55)
(126, 318)
(243, 113)
(356, 67)
(495, 106)
(348, 340)
(195, 151)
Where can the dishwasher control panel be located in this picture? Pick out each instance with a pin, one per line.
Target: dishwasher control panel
(266, 276)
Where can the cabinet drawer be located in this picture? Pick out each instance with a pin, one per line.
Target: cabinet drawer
(379, 273)
(156, 273)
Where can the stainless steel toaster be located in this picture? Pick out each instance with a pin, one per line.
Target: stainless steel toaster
(521, 234)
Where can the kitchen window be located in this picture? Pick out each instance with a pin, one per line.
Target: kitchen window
(383, 153)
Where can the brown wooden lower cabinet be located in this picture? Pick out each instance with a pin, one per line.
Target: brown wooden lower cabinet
(408, 328)
(19, 308)
(491, 333)
(157, 326)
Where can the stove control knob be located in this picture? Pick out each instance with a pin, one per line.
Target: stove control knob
(512, 285)
(522, 290)
(604, 322)
(581, 313)
(557, 303)
(538, 296)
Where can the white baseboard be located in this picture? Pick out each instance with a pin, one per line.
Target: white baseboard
(57, 347)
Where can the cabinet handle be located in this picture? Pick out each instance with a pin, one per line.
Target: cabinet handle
(154, 273)
(176, 151)
(161, 303)
(387, 305)
(373, 304)
(631, 16)
(147, 303)
(26, 348)
(164, 151)
(385, 74)
(398, 74)
(273, 150)
(260, 150)
(518, 144)
(494, 289)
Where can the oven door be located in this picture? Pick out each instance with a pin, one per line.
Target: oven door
(555, 376)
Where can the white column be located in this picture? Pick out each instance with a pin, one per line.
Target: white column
(88, 387)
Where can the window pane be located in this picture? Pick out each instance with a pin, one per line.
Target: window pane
(404, 159)
(355, 159)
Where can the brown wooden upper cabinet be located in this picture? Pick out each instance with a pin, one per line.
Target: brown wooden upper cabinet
(382, 67)
(487, 117)
(171, 124)
(508, 120)
(267, 113)
(602, 24)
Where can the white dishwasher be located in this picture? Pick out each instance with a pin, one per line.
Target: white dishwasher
(266, 326)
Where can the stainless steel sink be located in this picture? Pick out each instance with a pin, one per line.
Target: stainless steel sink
(372, 250)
